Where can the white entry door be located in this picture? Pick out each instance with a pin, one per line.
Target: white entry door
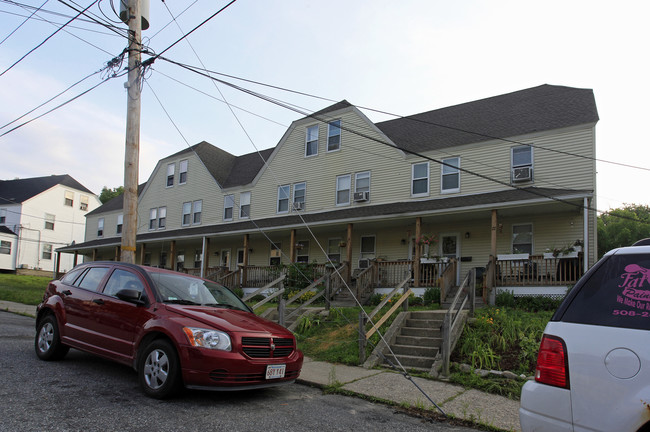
(450, 248)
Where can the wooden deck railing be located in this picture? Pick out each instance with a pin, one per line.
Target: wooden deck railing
(539, 270)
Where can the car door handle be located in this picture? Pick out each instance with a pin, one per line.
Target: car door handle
(66, 292)
(98, 301)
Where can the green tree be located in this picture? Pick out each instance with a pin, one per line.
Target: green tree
(108, 194)
(623, 226)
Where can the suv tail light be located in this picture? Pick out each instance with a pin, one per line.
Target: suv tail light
(552, 362)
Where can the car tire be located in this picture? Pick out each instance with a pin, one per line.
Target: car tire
(47, 343)
(159, 369)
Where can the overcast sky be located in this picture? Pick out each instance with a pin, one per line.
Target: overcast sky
(401, 57)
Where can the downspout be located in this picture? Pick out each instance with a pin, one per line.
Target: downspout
(587, 252)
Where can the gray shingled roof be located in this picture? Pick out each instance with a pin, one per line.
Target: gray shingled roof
(20, 190)
(536, 109)
(116, 203)
(450, 204)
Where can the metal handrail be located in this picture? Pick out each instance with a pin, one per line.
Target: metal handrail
(452, 316)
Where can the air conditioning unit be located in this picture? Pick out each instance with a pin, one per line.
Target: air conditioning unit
(276, 253)
(298, 205)
(361, 196)
(364, 263)
(521, 174)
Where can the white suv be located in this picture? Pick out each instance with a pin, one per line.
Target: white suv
(593, 366)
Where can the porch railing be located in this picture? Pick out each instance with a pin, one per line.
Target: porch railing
(539, 270)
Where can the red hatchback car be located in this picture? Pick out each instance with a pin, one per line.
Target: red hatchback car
(175, 330)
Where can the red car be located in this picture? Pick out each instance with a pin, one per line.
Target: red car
(175, 330)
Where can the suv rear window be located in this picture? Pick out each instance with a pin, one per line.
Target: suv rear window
(617, 294)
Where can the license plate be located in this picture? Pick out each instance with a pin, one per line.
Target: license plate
(275, 371)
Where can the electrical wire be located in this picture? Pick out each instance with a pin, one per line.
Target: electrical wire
(21, 24)
(408, 118)
(46, 39)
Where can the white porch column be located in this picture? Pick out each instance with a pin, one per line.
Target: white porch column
(203, 255)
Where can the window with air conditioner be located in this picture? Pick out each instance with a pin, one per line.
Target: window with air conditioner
(299, 193)
(522, 164)
(362, 186)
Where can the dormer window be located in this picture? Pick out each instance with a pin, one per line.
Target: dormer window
(334, 135)
(311, 144)
(522, 164)
(170, 174)
(182, 174)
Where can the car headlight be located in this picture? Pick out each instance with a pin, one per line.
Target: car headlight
(205, 338)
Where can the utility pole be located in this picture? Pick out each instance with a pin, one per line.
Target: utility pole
(132, 147)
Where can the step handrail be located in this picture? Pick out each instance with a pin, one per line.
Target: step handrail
(468, 292)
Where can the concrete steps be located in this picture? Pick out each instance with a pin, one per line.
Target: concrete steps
(418, 341)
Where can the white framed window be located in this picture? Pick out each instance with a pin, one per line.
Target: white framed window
(362, 181)
(367, 247)
(83, 203)
(521, 163)
(187, 211)
(522, 238)
(69, 198)
(170, 174)
(182, 172)
(343, 189)
(284, 192)
(420, 179)
(47, 251)
(450, 175)
(49, 221)
(302, 251)
(197, 212)
(275, 254)
(311, 141)
(100, 227)
(3, 216)
(299, 192)
(228, 207)
(120, 223)
(334, 135)
(153, 217)
(5, 247)
(334, 249)
(244, 205)
(162, 217)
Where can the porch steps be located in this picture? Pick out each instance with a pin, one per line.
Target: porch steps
(446, 303)
(345, 299)
(417, 342)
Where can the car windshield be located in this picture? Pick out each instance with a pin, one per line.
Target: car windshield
(180, 289)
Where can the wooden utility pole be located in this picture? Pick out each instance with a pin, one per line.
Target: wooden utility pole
(132, 147)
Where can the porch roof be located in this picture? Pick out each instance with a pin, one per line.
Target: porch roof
(519, 197)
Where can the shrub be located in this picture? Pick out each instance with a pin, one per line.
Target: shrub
(431, 296)
(415, 300)
(536, 304)
(375, 299)
(505, 299)
(238, 292)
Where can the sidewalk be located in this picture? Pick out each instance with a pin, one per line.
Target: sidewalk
(473, 405)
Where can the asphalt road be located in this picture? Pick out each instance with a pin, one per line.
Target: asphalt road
(87, 393)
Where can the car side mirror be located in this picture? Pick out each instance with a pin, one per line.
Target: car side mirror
(131, 296)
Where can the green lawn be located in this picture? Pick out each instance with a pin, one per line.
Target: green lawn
(22, 289)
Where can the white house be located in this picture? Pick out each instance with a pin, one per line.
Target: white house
(43, 213)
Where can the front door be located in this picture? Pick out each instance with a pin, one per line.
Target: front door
(450, 248)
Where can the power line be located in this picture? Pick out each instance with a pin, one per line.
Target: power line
(118, 30)
(21, 24)
(408, 118)
(46, 39)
